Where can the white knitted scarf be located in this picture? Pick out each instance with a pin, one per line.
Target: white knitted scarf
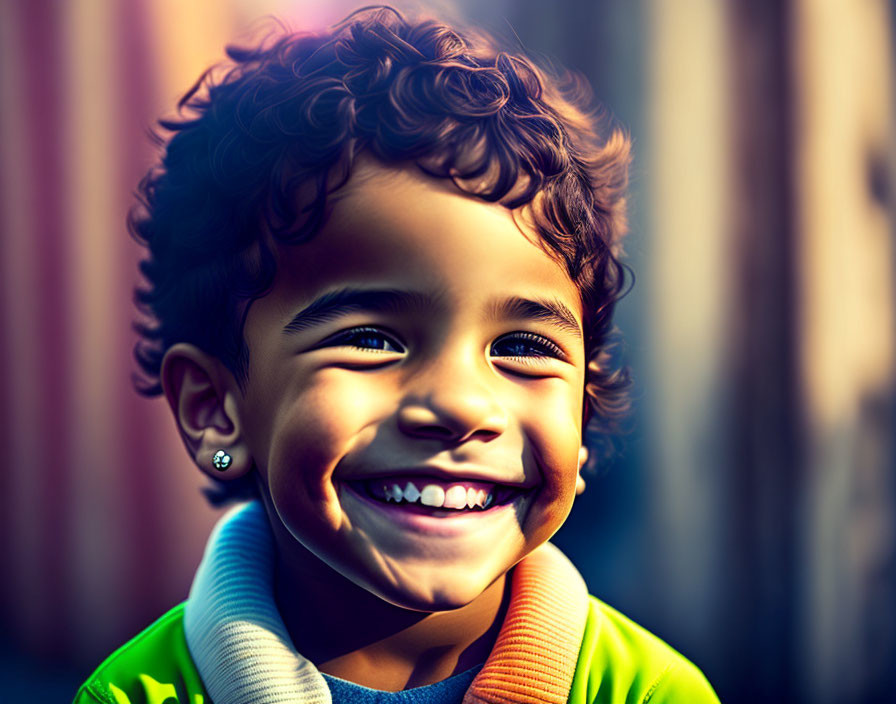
(234, 632)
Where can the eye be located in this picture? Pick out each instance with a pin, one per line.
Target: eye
(521, 345)
(365, 338)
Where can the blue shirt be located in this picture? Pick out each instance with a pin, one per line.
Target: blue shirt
(450, 691)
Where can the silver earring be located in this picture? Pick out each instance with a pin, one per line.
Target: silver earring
(221, 460)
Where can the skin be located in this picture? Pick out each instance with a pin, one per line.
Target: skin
(445, 383)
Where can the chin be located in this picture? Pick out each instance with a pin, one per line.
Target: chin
(425, 604)
(428, 596)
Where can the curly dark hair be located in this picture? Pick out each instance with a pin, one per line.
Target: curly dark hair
(291, 115)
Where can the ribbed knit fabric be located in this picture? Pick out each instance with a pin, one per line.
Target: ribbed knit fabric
(234, 632)
(535, 655)
(244, 654)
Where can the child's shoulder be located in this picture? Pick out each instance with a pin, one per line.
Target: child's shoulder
(153, 667)
(622, 661)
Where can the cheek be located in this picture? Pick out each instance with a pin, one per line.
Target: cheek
(315, 428)
(554, 430)
(552, 418)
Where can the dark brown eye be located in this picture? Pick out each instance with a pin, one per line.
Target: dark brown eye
(525, 344)
(366, 338)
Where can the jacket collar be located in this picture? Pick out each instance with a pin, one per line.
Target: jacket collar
(245, 656)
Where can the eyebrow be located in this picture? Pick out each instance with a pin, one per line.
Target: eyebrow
(334, 304)
(549, 311)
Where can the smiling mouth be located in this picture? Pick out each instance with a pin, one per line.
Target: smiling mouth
(436, 497)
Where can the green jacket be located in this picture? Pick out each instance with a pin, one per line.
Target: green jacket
(619, 662)
(227, 642)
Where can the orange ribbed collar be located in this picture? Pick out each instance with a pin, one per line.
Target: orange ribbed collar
(536, 651)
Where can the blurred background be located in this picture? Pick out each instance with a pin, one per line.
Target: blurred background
(749, 518)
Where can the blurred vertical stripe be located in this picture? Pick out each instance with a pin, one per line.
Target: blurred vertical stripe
(763, 462)
(185, 39)
(844, 170)
(22, 404)
(45, 476)
(689, 301)
(97, 497)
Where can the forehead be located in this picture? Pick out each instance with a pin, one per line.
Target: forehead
(398, 228)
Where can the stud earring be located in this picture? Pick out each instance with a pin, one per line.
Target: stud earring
(221, 460)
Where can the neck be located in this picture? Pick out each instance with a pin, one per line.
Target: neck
(381, 646)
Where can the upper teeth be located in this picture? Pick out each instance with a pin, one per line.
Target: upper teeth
(451, 496)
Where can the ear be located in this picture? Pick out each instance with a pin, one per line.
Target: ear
(202, 395)
(580, 481)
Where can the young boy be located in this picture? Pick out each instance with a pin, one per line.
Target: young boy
(382, 269)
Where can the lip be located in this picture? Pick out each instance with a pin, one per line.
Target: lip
(458, 473)
(445, 525)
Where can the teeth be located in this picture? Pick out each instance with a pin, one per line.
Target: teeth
(411, 493)
(454, 496)
(394, 493)
(477, 497)
(432, 495)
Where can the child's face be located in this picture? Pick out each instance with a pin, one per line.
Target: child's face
(427, 375)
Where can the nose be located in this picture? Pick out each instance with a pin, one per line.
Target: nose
(452, 403)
